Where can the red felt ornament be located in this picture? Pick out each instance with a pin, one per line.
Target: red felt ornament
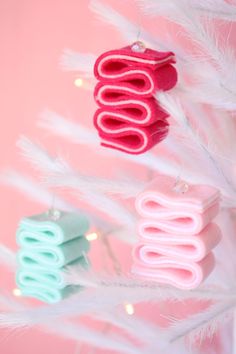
(129, 118)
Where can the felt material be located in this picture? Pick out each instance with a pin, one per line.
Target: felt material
(142, 82)
(193, 248)
(178, 213)
(176, 235)
(129, 119)
(178, 272)
(47, 293)
(133, 140)
(31, 275)
(40, 228)
(47, 246)
(53, 256)
(114, 64)
(128, 110)
(34, 276)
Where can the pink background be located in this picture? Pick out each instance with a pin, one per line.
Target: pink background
(33, 36)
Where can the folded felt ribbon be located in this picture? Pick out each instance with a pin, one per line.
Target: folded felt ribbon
(53, 256)
(116, 64)
(154, 241)
(47, 284)
(176, 233)
(179, 273)
(118, 108)
(136, 82)
(44, 292)
(130, 119)
(40, 228)
(49, 243)
(133, 140)
(174, 212)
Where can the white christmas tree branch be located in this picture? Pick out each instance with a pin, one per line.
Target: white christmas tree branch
(73, 61)
(40, 194)
(218, 176)
(223, 69)
(34, 190)
(219, 9)
(76, 332)
(203, 324)
(78, 134)
(47, 165)
(62, 127)
(91, 279)
(131, 31)
(7, 257)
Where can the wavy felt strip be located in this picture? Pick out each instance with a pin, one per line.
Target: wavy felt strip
(47, 293)
(38, 274)
(115, 64)
(117, 108)
(135, 139)
(176, 272)
(178, 213)
(192, 248)
(40, 228)
(53, 256)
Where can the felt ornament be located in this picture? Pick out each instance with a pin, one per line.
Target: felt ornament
(48, 244)
(176, 233)
(129, 118)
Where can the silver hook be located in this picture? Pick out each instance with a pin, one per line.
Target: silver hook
(180, 186)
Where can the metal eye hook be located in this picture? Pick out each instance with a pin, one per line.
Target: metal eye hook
(180, 186)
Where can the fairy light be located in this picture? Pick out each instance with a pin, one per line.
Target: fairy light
(16, 292)
(129, 308)
(79, 82)
(92, 236)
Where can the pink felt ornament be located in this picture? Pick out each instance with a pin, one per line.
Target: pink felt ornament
(176, 272)
(129, 118)
(176, 233)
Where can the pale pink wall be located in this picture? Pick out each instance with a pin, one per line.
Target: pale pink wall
(33, 35)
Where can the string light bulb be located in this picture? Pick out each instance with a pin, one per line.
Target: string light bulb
(16, 292)
(79, 82)
(129, 308)
(92, 236)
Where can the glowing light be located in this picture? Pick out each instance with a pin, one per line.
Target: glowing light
(92, 237)
(129, 308)
(78, 82)
(16, 292)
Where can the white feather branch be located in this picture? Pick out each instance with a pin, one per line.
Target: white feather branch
(43, 162)
(60, 126)
(73, 61)
(77, 332)
(7, 257)
(219, 9)
(33, 190)
(215, 173)
(130, 31)
(203, 324)
(224, 76)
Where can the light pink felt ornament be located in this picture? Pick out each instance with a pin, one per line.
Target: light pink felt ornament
(176, 233)
(180, 273)
(182, 213)
(192, 248)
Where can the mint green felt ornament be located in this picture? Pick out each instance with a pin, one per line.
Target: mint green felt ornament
(49, 255)
(41, 228)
